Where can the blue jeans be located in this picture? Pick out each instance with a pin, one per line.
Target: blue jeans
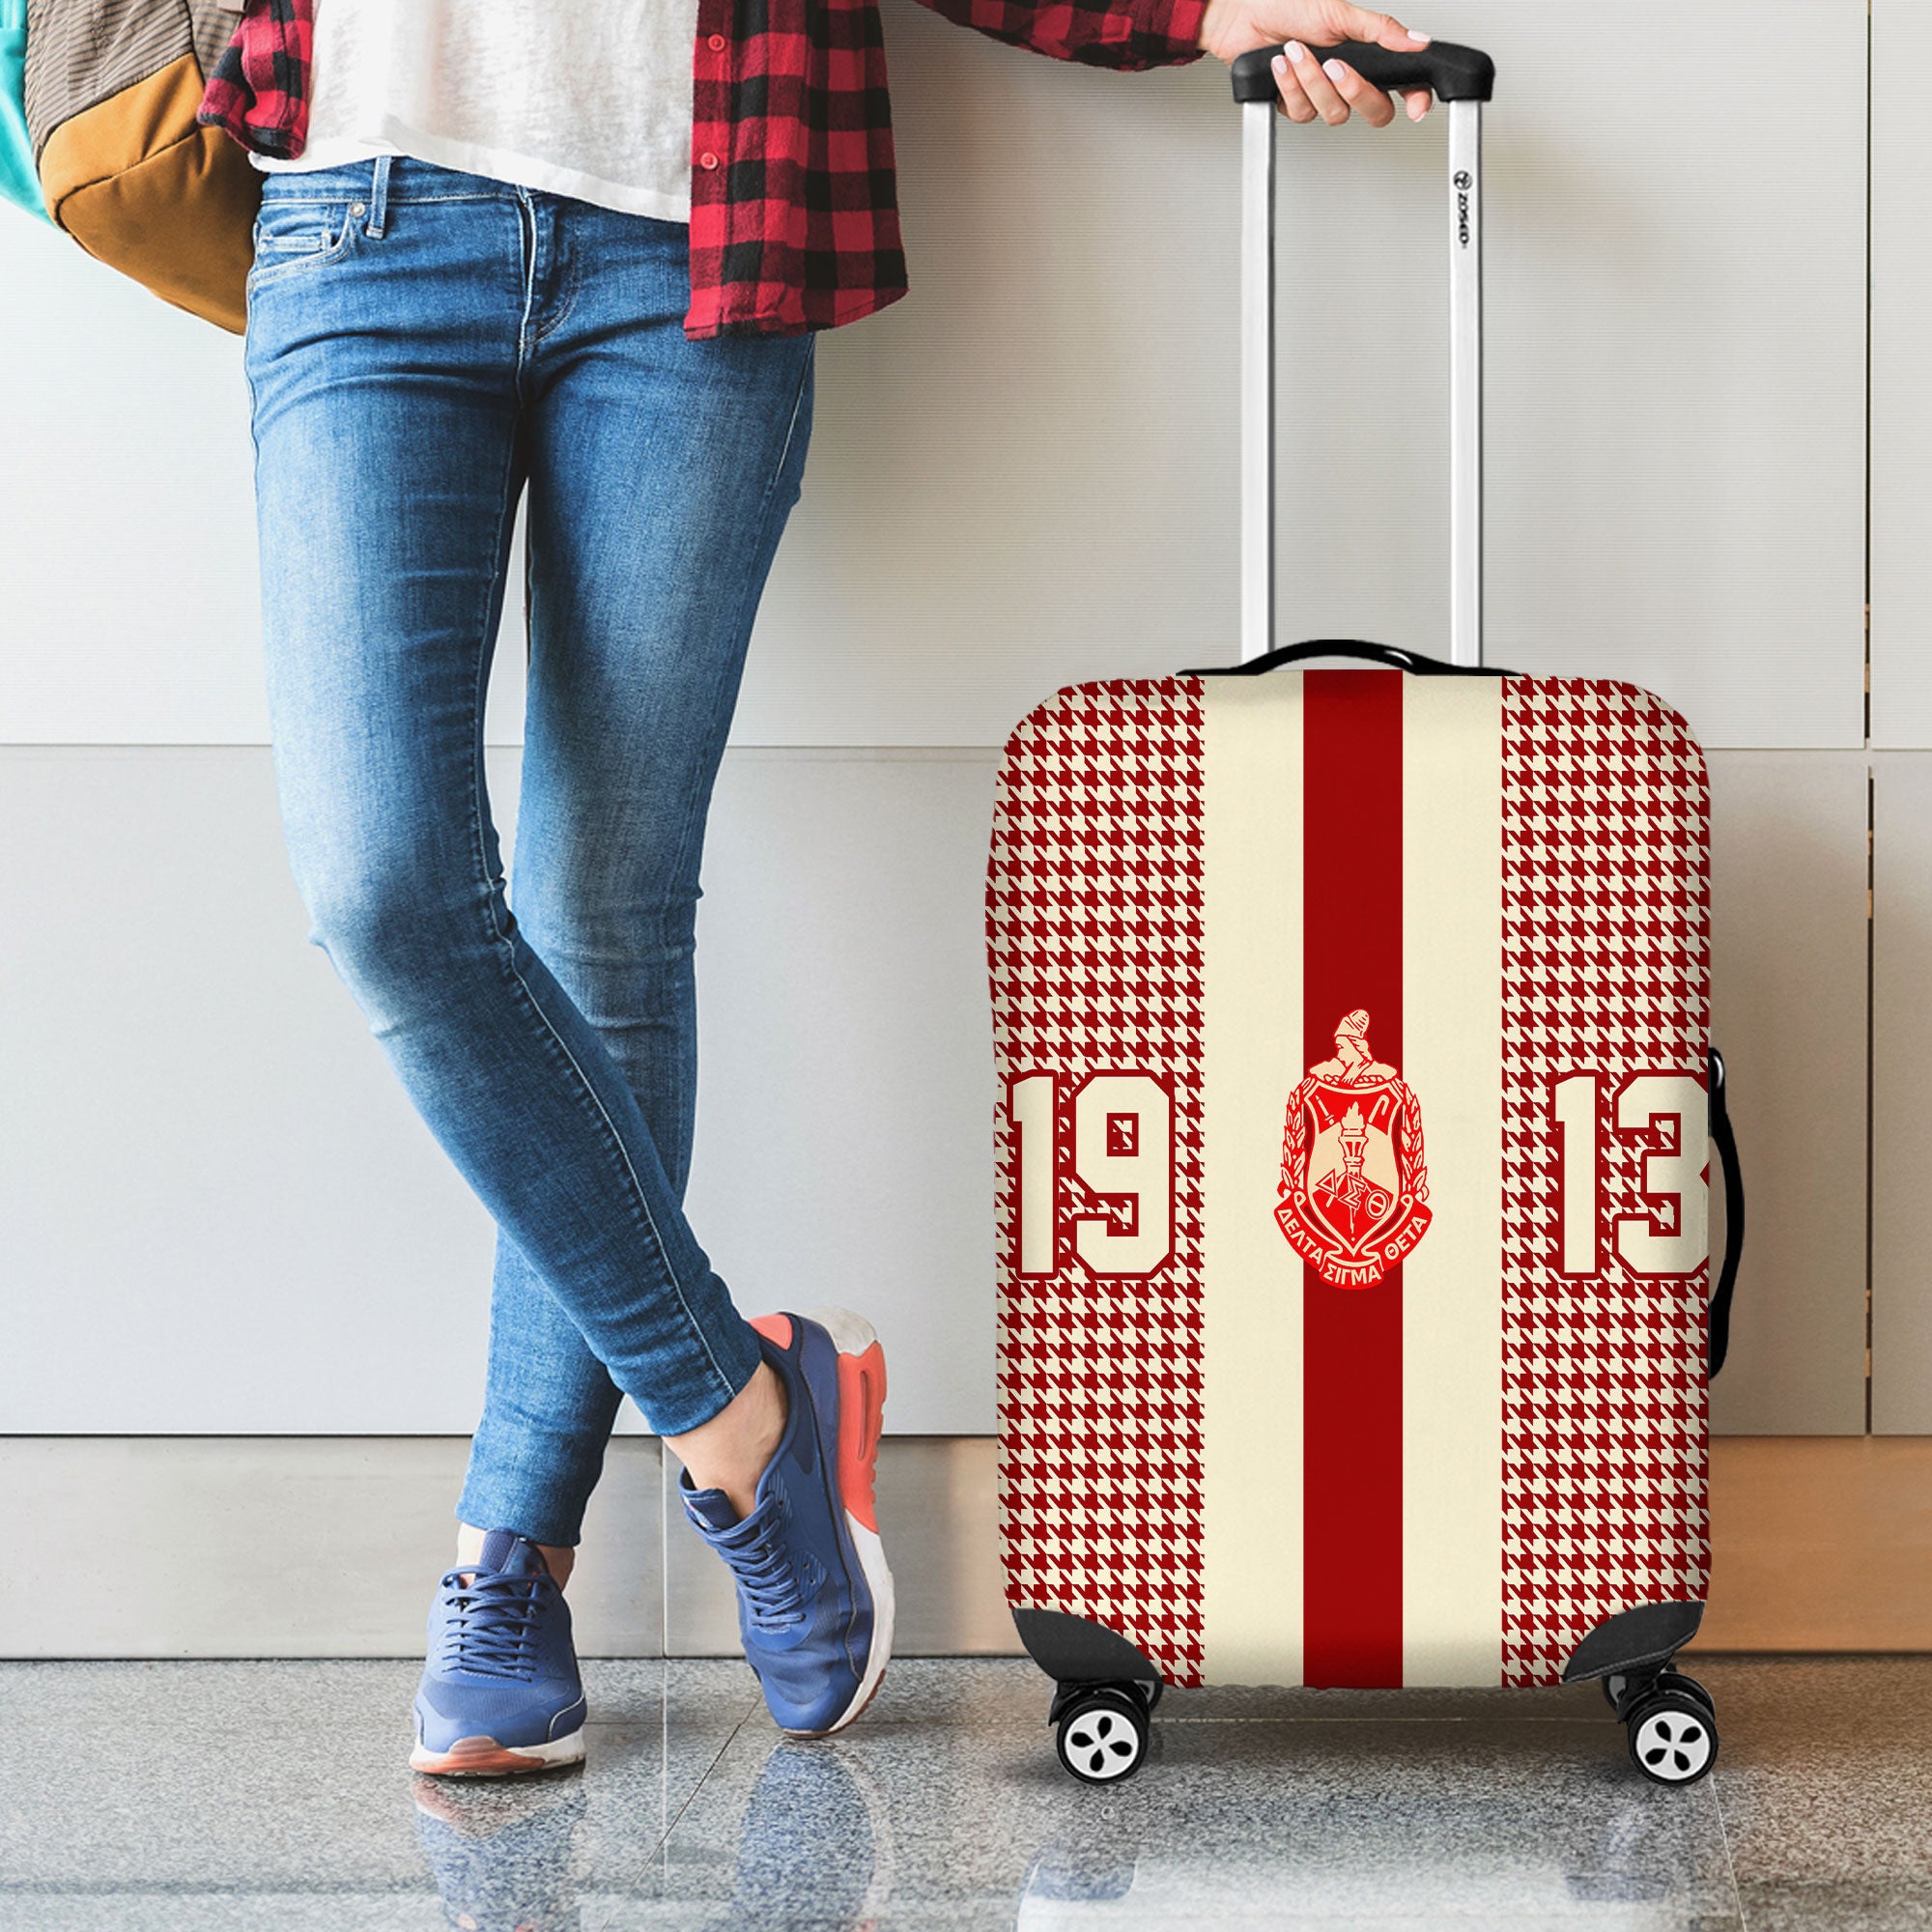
(421, 342)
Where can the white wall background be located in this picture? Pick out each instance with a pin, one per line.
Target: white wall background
(217, 1211)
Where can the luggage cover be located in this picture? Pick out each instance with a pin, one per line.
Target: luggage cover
(1351, 1032)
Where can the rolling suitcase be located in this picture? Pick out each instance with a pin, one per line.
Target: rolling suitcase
(1351, 1031)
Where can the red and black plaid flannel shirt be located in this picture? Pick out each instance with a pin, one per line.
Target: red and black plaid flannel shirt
(794, 210)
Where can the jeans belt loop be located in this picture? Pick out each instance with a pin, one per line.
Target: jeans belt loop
(379, 199)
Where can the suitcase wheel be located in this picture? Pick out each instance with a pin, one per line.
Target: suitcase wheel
(1621, 1689)
(1102, 1733)
(1673, 1734)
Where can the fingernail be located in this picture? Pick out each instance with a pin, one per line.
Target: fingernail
(1279, 65)
(1297, 51)
(1334, 70)
(1420, 39)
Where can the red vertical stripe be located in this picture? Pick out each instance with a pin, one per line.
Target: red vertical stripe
(1351, 1397)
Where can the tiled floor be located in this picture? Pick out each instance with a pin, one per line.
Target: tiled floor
(205, 1796)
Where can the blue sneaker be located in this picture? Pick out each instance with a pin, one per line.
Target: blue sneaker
(815, 1596)
(500, 1690)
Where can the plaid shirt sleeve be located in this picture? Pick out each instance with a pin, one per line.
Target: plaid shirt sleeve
(1122, 34)
(259, 89)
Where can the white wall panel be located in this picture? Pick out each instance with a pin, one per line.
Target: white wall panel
(129, 589)
(218, 1211)
(1901, 1079)
(1788, 1011)
(844, 1147)
(217, 1208)
(1024, 473)
(1677, 312)
(1901, 376)
(284, 1546)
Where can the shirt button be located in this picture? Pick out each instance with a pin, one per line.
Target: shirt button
(716, 43)
(707, 160)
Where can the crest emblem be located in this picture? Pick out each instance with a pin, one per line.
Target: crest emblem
(1353, 1188)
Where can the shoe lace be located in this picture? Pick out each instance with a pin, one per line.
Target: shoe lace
(493, 1623)
(768, 1576)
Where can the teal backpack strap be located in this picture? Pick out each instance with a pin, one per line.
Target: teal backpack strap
(18, 182)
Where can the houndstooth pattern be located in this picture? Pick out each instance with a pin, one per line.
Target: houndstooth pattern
(1605, 967)
(1094, 948)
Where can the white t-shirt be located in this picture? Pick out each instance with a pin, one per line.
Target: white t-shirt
(592, 100)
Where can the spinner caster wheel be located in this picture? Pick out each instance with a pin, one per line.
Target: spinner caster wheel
(1103, 1734)
(1618, 1689)
(1673, 1735)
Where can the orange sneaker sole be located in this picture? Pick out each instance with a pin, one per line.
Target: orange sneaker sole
(485, 1757)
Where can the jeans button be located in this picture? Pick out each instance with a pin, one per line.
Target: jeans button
(355, 208)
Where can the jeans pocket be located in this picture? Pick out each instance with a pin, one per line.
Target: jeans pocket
(293, 236)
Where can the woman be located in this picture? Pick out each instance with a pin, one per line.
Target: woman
(492, 254)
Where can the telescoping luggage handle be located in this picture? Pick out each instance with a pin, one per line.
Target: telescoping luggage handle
(1463, 78)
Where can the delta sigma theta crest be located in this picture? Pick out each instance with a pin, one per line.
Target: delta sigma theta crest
(1353, 1187)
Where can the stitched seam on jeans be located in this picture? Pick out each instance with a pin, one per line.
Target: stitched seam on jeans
(772, 482)
(272, 268)
(791, 428)
(562, 315)
(692, 821)
(529, 249)
(569, 295)
(506, 510)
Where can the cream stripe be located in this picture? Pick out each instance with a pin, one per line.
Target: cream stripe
(1452, 1280)
(1251, 1060)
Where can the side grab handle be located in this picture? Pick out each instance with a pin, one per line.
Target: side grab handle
(1734, 1219)
(1450, 72)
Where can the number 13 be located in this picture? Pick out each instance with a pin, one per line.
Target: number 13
(1651, 1110)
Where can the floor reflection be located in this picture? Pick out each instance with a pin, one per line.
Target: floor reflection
(503, 1851)
(817, 1833)
(1358, 1823)
(818, 1826)
(1238, 1869)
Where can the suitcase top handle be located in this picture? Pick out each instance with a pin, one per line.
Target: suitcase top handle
(1392, 656)
(1450, 72)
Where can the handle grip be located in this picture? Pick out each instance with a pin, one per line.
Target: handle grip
(1449, 72)
(1390, 656)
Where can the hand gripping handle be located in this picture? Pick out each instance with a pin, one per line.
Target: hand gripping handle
(1449, 72)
